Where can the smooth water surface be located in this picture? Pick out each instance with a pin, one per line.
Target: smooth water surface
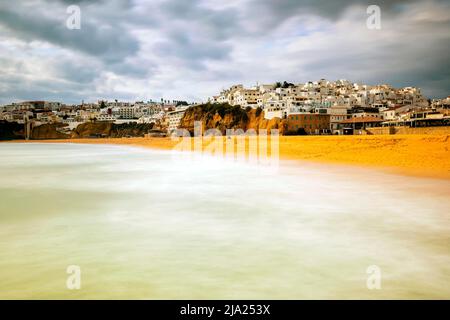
(154, 224)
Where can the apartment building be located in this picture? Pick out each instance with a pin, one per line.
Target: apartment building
(275, 109)
(358, 112)
(245, 98)
(441, 103)
(106, 117)
(309, 123)
(174, 119)
(337, 115)
(127, 112)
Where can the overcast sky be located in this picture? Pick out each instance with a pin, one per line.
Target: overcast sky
(179, 49)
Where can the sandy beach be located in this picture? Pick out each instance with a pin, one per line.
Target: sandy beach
(145, 224)
(417, 155)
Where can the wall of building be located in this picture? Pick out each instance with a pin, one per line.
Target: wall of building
(408, 130)
(312, 123)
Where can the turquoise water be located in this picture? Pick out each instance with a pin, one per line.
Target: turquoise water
(155, 224)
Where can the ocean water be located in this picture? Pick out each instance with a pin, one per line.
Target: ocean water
(152, 224)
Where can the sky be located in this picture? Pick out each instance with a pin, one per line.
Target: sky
(134, 50)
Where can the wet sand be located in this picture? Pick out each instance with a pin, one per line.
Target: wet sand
(416, 155)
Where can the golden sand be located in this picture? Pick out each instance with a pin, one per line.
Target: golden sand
(423, 155)
(419, 155)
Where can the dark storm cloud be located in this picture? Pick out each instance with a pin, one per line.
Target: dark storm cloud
(104, 39)
(18, 87)
(193, 51)
(179, 48)
(282, 9)
(217, 24)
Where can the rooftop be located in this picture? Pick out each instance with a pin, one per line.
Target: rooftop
(362, 120)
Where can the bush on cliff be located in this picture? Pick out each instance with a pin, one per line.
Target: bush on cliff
(258, 111)
(210, 109)
(113, 130)
(223, 116)
(11, 130)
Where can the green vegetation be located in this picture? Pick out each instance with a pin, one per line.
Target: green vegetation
(258, 111)
(11, 130)
(222, 109)
(182, 103)
(132, 127)
(236, 116)
(283, 85)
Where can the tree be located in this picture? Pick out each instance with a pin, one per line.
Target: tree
(287, 85)
(182, 103)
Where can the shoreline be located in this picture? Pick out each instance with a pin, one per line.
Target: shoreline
(411, 155)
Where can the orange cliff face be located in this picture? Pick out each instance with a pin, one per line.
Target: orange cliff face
(258, 122)
(229, 117)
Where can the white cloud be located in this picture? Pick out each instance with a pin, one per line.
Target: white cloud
(190, 50)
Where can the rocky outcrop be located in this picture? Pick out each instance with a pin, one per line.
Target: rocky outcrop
(11, 130)
(16, 131)
(49, 131)
(109, 129)
(256, 121)
(92, 129)
(222, 116)
(131, 129)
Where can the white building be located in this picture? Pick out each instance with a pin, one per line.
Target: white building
(174, 119)
(127, 112)
(245, 98)
(106, 117)
(337, 115)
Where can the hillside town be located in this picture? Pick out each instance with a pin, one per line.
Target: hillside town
(71, 116)
(340, 107)
(320, 107)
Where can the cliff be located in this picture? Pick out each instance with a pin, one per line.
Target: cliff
(11, 130)
(15, 131)
(222, 116)
(112, 130)
(91, 129)
(48, 131)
